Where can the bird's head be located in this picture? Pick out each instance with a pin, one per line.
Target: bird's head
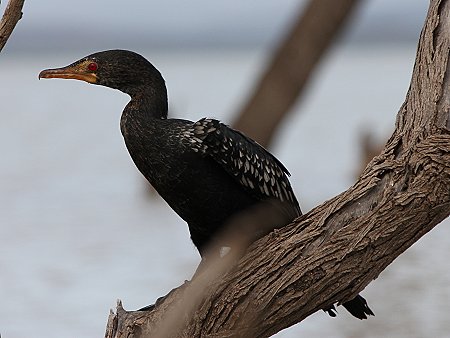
(126, 71)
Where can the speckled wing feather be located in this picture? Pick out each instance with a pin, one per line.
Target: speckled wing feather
(248, 162)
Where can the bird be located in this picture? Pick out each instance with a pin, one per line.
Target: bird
(206, 171)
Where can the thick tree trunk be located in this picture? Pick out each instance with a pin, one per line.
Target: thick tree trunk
(338, 248)
(12, 15)
(292, 66)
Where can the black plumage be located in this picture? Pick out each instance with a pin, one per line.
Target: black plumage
(206, 171)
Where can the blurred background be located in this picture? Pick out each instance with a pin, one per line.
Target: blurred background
(78, 225)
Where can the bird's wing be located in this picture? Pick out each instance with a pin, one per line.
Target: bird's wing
(261, 173)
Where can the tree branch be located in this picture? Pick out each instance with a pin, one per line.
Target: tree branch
(13, 13)
(292, 65)
(333, 252)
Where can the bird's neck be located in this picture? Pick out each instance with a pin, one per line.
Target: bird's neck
(148, 103)
(144, 109)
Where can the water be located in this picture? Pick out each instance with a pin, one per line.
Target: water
(79, 230)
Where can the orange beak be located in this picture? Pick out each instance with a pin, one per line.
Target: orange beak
(77, 72)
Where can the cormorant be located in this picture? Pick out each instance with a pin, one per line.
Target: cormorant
(206, 171)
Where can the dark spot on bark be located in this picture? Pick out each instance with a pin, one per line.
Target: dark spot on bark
(398, 149)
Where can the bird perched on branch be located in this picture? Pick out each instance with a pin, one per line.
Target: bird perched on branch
(206, 171)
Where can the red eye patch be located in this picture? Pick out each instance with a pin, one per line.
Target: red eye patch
(92, 66)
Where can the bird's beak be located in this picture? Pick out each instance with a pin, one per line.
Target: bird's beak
(74, 71)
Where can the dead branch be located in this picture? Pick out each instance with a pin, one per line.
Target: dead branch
(12, 15)
(333, 252)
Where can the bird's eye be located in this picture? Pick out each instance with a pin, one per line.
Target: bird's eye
(92, 66)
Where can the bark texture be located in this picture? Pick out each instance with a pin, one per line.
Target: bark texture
(13, 13)
(333, 252)
(292, 66)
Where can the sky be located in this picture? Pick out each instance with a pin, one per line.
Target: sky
(52, 25)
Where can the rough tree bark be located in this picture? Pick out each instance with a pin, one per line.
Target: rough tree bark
(292, 65)
(13, 13)
(338, 248)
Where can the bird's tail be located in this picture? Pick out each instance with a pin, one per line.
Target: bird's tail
(358, 307)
